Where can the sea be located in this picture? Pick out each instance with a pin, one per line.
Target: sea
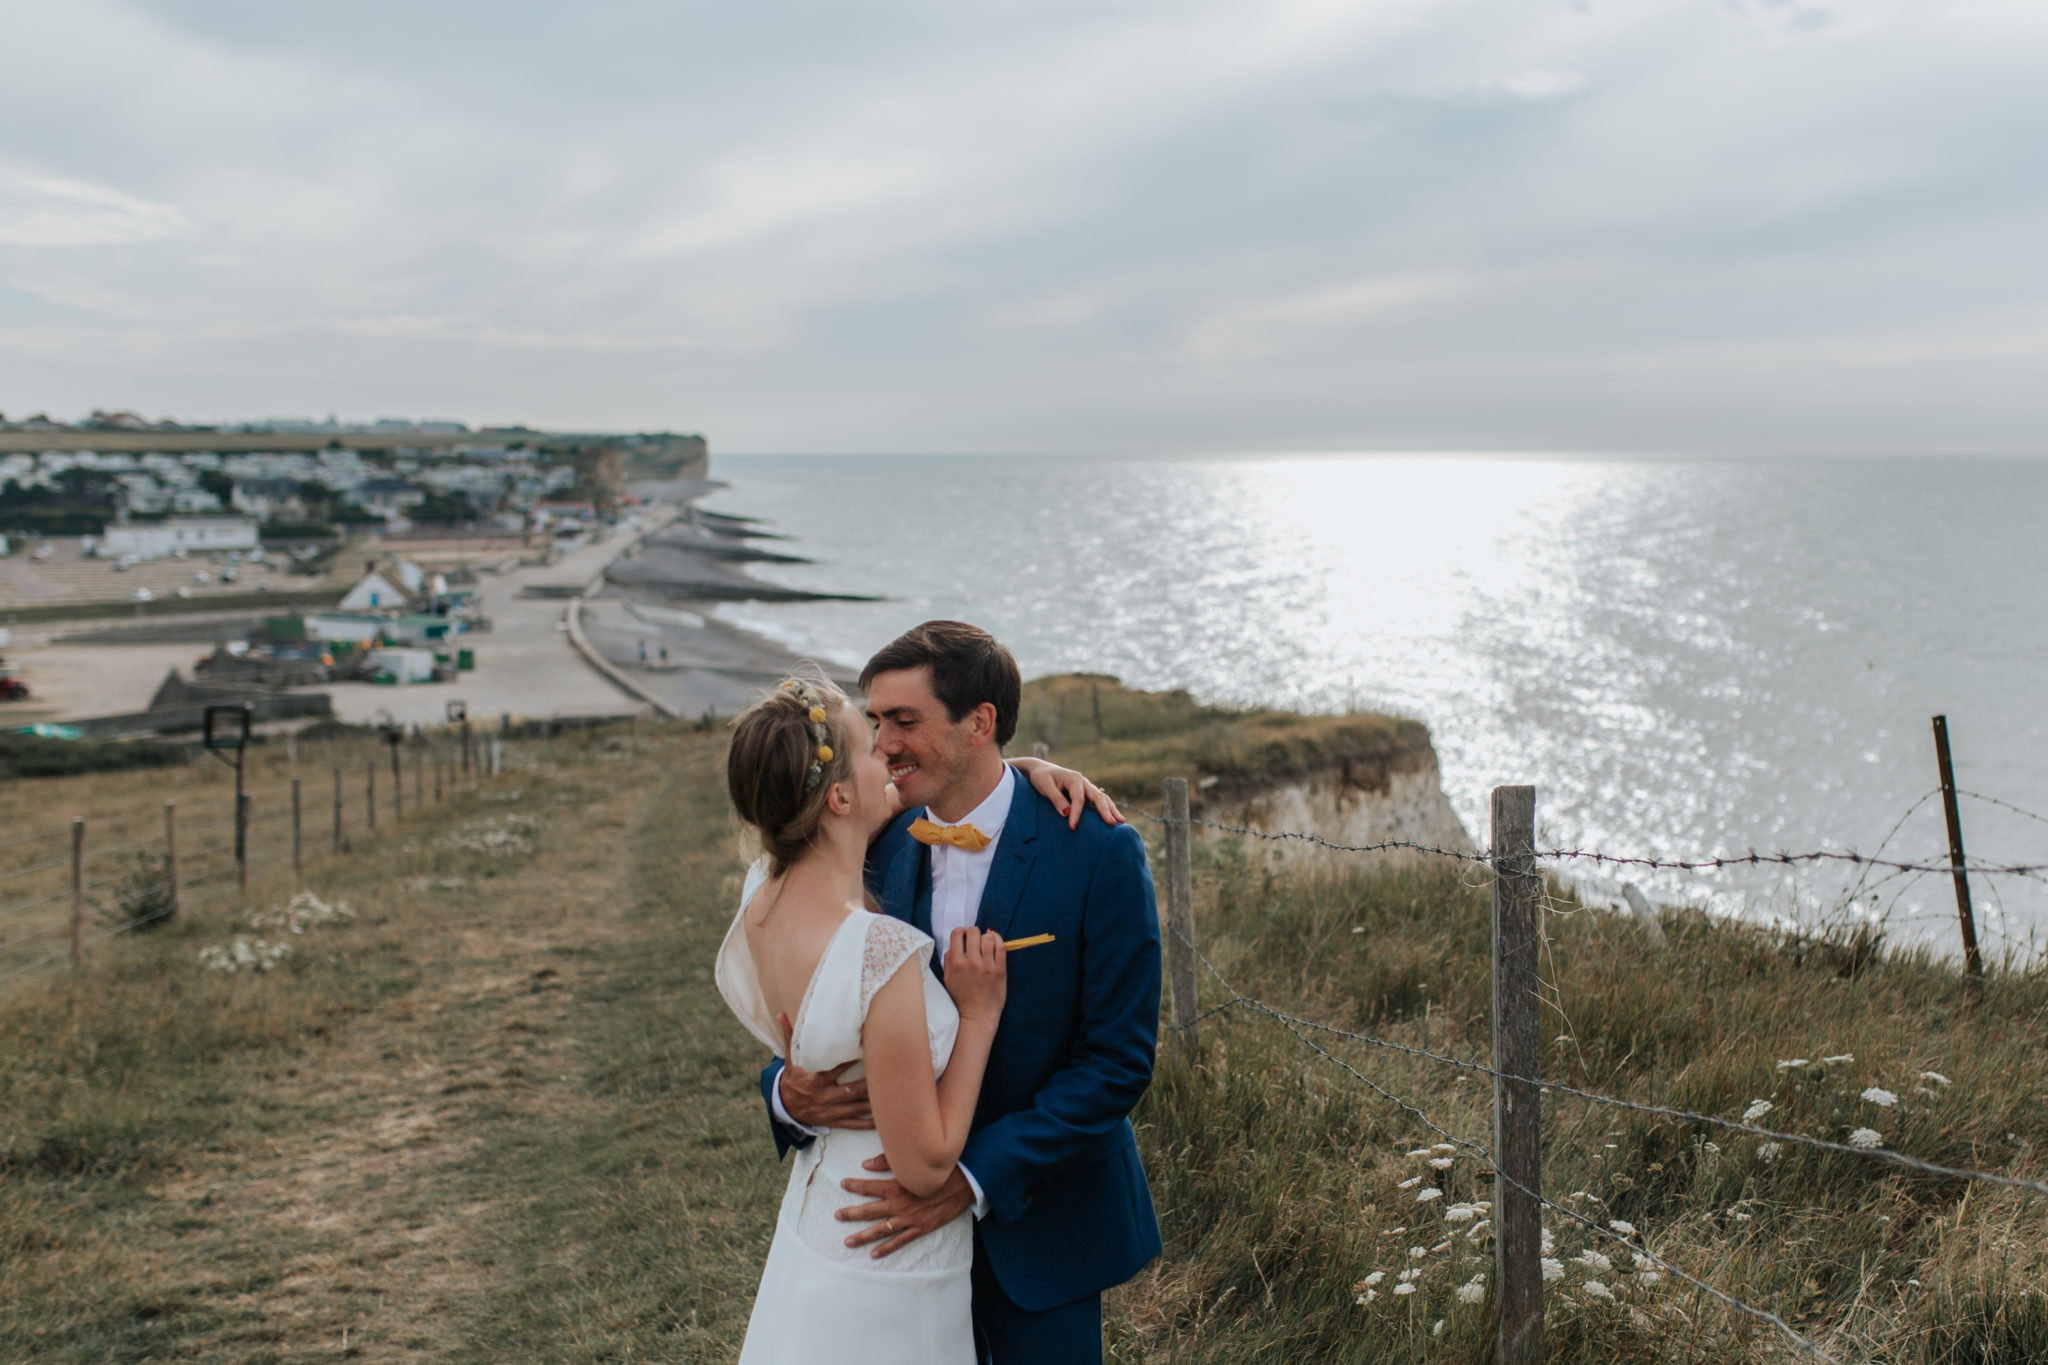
(1686, 658)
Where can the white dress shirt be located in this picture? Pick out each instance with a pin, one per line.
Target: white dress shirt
(958, 879)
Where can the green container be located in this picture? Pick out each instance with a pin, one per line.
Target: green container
(465, 659)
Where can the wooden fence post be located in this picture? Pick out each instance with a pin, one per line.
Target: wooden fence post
(337, 810)
(397, 787)
(242, 841)
(497, 756)
(419, 778)
(171, 857)
(78, 892)
(1517, 1139)
(370, 794)
(437, 774)
(1180, 915)
(298, 843)
(1967, 918)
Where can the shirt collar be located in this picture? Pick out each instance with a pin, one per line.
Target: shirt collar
(990, 815)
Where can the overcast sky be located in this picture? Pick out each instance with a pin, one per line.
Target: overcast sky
(837, 225)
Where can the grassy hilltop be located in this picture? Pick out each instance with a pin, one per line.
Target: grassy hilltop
(502, 1114)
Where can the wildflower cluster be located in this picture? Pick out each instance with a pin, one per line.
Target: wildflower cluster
(244, 955)
(304, 911)
(497, 836)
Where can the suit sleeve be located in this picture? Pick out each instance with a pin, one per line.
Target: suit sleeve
(786, 1137)
(1110, 1063)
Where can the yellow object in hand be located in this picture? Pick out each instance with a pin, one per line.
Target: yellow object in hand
(1013, 944)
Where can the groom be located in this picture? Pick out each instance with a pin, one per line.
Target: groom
(1051, 1168)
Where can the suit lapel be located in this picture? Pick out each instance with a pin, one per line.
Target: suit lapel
(893, 876)
(1015, 851)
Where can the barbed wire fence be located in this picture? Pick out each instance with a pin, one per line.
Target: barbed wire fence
(1512, 864)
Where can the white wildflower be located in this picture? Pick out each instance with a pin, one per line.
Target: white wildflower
(1437, 1330)
(1404, 1288)
(1549, 1241)
(1444, 1147)
(1552, 1269)
(304, 911)
(1367, 1297)
(1649, 1279)
(1460, 1213)
(1743, 1217)
(244, 955)
(1713, 1147)
(1622, 1226)
(1374, 1278)
(1473, 1290)
(1411, 1273)
(1868, 1139)
(1935, 1076)
(1793, 1064)
(1444, 1245)
(1441, 1163)
(1769, 1152)
(1883, 1099)
(1395, 1233)
(1479, 1229)
(1593, 1260)
(1410, 1183)
(1421, 1151)
(1757, 1109)
(1596, 1290)
(1424, 1196)
(1358, 928)
(1842, 1060)
(1417, 1253)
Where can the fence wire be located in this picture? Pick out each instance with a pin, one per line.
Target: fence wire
(1294, 1026)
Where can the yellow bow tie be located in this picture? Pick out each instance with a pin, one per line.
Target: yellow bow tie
(965, 837)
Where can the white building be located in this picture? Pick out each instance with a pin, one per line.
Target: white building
(198, 534)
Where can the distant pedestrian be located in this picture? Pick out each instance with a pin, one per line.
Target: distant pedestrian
(643, 651)
(664, 653)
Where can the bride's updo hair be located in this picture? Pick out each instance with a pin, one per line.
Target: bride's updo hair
(768, 770)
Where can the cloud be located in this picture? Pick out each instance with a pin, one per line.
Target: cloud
(1307, 318)
(48, 211)
(1537, 83)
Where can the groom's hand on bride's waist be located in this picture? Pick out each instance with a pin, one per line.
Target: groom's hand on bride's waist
(819, 1099)
(895, 1216)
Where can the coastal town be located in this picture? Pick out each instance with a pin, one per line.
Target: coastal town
(364, 573)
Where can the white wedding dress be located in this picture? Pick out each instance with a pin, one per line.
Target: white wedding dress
(821, 1300)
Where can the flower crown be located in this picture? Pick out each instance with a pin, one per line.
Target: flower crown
(814, 708)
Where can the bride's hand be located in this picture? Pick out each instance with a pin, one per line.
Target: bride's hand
(977, 973)
(1068, 790)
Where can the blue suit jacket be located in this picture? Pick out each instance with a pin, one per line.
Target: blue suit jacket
(1069, 1213)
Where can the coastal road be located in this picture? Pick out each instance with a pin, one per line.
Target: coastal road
(525, 665)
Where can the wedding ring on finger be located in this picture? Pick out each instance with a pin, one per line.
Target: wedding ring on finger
(889, 1226)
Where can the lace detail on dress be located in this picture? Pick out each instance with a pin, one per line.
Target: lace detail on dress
(890, 943)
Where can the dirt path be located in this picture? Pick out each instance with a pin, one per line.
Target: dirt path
(360, 1198)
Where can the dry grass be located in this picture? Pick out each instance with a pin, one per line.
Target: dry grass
(268, 1165)
(504, 1115)
(1280, 1176)
(1147, 736)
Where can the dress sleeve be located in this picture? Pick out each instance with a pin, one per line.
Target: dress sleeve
(890, 944)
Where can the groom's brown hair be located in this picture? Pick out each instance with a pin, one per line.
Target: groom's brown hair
(969, 666)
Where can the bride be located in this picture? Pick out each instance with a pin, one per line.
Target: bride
(805, 946)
